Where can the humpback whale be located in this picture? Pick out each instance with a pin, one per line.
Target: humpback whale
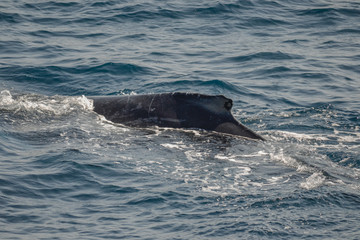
(175, 110)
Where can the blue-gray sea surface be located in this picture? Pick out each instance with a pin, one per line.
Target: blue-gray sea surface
(291, 67)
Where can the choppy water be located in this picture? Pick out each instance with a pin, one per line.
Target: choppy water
(292, 69)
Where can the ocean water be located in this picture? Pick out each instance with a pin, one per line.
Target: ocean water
(291, 67)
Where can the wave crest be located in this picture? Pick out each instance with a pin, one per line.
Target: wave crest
(31, 105)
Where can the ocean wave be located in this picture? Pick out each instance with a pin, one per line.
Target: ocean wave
(265, 56)
(35, 107)
(43, 13)
(329, 11)
(56, 76)
(11, 18)
(208, 86)
(50, 71)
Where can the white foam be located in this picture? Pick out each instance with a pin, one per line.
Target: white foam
(227, 158)
(314, 181)
(176, 145)
(193, 155)
(40, 104)
(301, 136)
(86, 103)
(280, 156)
(6, 98)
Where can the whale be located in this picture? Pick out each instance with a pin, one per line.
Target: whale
(173, 110)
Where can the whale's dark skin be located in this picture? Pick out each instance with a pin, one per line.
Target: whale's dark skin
(176, 110)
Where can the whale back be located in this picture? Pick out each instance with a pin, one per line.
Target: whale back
(177, 110)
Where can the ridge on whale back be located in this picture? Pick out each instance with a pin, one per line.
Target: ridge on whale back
(176, 110)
